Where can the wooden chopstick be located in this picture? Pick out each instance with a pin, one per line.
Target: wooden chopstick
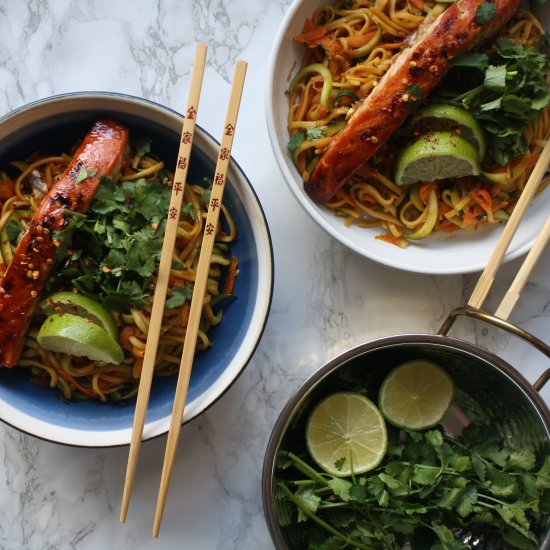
(197, 300)
(488, 276)
(512, 295)
(159, 299)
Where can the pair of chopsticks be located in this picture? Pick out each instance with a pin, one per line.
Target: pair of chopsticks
(210, 228)
(488, 276)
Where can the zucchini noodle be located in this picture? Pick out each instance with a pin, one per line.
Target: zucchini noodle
(349, 46)
(22, 188)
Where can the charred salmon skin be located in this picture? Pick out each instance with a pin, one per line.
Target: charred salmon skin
(101, 153)
(411, 77)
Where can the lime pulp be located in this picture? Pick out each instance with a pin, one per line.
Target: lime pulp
(435, 156)
(346, 434)
(416, 395)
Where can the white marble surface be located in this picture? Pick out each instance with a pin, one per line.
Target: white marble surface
(325, 298)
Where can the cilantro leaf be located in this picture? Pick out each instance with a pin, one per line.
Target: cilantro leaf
(178, 296)
(188, 210)
(315, 133)
(296, 140)
(495, 77)
(340, 487)
(84, 174)
(308, 500)
(413, 96)
(142, 146)
(485, 12)
(13, 230)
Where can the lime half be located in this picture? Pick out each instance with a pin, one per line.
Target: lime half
(74, 335)
(78, 304)
(346, 434)
(416, 395)
(458, 121)
(436, 156)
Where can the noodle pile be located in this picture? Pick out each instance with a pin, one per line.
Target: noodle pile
(349, 47)
(78, 377)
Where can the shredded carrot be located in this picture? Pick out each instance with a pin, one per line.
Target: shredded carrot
(313, 34)
(483, 198)
(469, 218)
(391, 45)
(231, 275)
(417, 4)
(343, 195)
(125, 334)
(444, 208)
(7, 188)
(184, 313)
(138, 366)
(448, 226)
(532, 161)
(424, 191)
(80, 387)
(389, 238)
(358, 40)
(175, 281)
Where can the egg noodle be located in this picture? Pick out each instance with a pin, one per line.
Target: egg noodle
(349, 47)
(80, 378)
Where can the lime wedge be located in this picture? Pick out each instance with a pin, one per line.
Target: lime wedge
(78, 304)
(458, 121)
(416, 395)
(74, 335)
(346, 434)
(435, 156)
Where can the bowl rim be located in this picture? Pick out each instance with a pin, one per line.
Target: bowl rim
(520, 244)
(74, 437)
(312, 382)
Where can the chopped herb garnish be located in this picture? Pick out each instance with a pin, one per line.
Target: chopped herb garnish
(509, 91)
(142, 146)
(413, 96)
(188, 210)
(119, 240)
(485, 12)
(315, 133)
(178, 296)
(13, 230)
(296, 140)
(83, 174)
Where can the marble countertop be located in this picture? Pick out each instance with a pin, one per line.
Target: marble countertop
(325, 300)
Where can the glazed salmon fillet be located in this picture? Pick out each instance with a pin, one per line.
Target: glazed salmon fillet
(100, 154)
(411, 77)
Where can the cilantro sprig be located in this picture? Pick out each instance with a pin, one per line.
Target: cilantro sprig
(509, 91)
(431, 491)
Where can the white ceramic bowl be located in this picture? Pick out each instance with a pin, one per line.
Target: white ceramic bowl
(55, 123)
(460, 252)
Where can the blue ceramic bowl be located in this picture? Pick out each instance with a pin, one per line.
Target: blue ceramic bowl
(53, 124)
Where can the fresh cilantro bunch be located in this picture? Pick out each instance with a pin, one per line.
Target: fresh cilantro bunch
(509, 91)
(112, 252)
(431, 492)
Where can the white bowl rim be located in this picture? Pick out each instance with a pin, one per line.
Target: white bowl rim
(63, 435)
